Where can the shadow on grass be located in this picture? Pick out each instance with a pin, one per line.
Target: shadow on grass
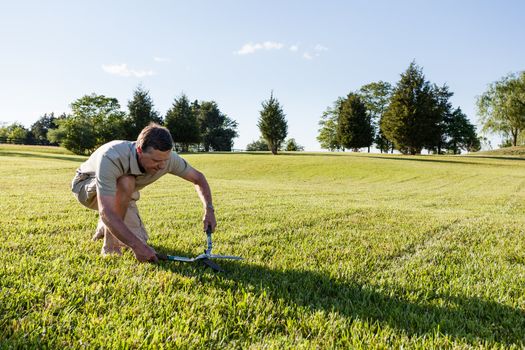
(44, 156)
(468, 318)
(458, 159)
(497, 157)
(451, 161)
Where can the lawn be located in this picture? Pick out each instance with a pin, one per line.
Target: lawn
(341, 251)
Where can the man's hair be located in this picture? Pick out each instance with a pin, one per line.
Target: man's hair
(156, 137)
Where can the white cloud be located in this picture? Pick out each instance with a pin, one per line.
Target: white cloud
(317, 52)
(123, 71)
(294, 48)
(161, 59)
(250, 48)
(307, 56)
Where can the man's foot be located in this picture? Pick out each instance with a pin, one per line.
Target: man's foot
(111, 251)
(99, 232)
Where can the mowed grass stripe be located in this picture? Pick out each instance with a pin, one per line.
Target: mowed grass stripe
(341, 251)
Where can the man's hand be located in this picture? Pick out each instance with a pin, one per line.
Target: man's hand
(209, 220)
(145, 253)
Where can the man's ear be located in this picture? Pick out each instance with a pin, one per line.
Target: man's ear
(139, 150)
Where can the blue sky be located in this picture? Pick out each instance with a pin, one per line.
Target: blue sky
(237, 52)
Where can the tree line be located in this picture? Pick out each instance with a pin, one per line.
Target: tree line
(97, 119)
(411, 116)
(195, 126)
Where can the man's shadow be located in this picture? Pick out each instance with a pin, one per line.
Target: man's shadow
(471, 319)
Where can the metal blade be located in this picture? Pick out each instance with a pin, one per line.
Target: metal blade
(174, 258)
(215, 256)
(211, 265)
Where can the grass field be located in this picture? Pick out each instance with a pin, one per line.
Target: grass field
(341, 251)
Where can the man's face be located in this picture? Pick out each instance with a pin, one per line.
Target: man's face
(153, 160)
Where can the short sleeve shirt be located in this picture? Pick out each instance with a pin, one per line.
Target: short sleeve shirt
(118, 158)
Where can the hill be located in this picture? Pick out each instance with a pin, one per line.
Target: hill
(517, 151)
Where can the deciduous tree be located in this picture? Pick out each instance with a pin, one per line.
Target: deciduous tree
(502, 107)
(95, 120)
(328, 127)
(376, 97)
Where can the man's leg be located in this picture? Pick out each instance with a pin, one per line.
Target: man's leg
(127, 210)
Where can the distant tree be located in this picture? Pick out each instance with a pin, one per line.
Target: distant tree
(460, 133)
(141, 113)
(217, 130)
(104, 114)
(14, 133)
(354, 127)
(259, 145)
(293, 146)
(95, 120)
(3, 133)
(439, 110)
(410, 120)
(182, 122)
(272, 124)
(75, 133)
(502, 107)
(40, 128)
(376, 97)
(328, 127)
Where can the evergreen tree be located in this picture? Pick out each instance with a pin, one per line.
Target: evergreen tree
(460, 133)
(182, 123)
(354, 127)
(439, 111)
(140, 114)
(272, 124)
(217, 130)
(411, 121)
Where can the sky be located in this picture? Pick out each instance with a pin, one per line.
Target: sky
(236, 53)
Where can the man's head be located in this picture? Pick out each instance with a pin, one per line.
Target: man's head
(154, 145)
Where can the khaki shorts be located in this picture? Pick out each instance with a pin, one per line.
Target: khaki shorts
(84, 188)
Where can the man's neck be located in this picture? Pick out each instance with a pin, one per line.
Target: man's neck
(140, 165)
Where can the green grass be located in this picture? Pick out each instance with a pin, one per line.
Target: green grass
(342, 250)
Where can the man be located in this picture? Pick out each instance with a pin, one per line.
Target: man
(110, 181)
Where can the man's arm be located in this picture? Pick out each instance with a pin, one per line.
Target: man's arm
(110, 217)
(203, 190)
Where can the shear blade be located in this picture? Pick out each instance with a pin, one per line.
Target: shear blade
(214, 256)
(179, 258)
(211, 265)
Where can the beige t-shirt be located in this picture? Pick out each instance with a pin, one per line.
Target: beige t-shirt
(118, 158)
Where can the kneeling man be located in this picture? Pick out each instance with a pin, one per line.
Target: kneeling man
(110, 181)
